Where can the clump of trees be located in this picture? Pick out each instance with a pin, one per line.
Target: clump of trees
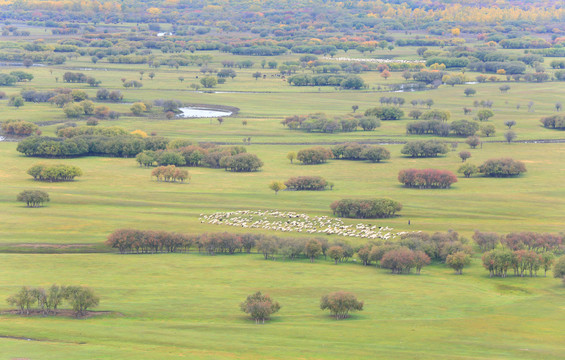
(498, 261)
(427, 178)
(385, 113)
(554, 122)
(504, 167)
(33, 198)
(366, 208)
(19, 127)
(355, 151)
(80, 299)
(340, 304)
(402, 260)
(307, 183)
(422, 149)
(314, 155)
(231, 158)
(170, 173)
(56, 172)
(260, 307)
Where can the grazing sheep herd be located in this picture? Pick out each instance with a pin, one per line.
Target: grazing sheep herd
(288, 221)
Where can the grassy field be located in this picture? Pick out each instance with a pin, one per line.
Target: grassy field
(186, 306)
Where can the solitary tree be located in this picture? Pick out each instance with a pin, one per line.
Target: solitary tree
(510, 136)
(354, 108)
(291, 156)
(340, 304)
(470, 91)
(488, 130)
(277, 186)
(260, 307)
(484, 114)
(473, 141)
(510, 123)
(468, 170)
(464, 155)
(33, 198)
(458, 261)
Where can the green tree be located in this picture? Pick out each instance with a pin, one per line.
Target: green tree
(277, 186)
(312, 249)
(470, 91)
(209, 81)
(457, 261)
(73, 110)
(17, 101)
(488, 130)
(336, 253)
(260, 307)
(291, 156)
(81, 299)
(559, 268)
(468, 170)
(138, 108)
(33, 198)
(484, 114)
(340, 304)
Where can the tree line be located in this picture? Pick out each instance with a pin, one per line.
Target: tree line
(366, 208)
(412, 251)
(320, 122)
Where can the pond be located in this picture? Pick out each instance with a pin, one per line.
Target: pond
(200, 112)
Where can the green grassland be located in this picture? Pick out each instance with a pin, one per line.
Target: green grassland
(187, 306)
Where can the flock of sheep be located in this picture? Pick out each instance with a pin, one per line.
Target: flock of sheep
(286, 221)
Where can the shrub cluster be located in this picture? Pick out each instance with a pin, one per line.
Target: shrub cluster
(503, 167)
(33, 198)
(429, 148)
(306, 183)
(80, 299)
(232, 158)
(366, 208)
(427, 178)
(355, 151)
(57, 172)
(170, 174)
(385, 113)
(314, 155)
(554, 122)
(19, 127)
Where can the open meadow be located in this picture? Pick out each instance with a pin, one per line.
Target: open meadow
(174, 305)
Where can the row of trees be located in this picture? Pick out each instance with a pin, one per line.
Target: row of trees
(412, 250)
(47, 301)
(54, 172)
(498, 261)
(85, 145)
